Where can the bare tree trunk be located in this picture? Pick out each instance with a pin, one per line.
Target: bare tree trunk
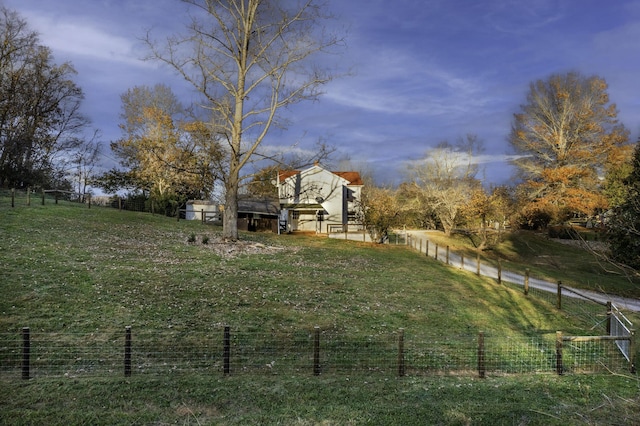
(230, 215)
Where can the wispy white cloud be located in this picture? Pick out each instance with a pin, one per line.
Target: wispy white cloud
(523, 17)
(70, 38)
(395, 82)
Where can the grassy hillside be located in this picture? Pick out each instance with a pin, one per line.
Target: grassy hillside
(74, 269)
(67, 268)
(550, 259)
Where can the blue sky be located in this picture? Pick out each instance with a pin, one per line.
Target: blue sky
(422, 71)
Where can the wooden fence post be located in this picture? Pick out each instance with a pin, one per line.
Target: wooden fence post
(559, 353)
(26, 353)
(89, 201)
(478, 264)
(43, 196)
(559, 301)
(499, 271)
(462, 261)
(420, 251)
(481, 362)
(526, 282)
(127, 351)
(633, 350)
(401, 365)
(227, 350)
(316, 351)
(13, 197)
(447, 262)
(426, 249)
(436, 252)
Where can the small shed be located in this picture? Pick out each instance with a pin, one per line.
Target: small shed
(258, 214)
(196, 209)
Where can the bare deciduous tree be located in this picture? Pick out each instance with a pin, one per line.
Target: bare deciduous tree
(40, 118)
(248, 59)
(446, 178)
(84, 161)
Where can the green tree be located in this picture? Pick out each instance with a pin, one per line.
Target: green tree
(565, 134)
(623, 227)
(248, 59)
(619, 167)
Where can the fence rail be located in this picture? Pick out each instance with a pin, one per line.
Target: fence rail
(547, 290)
(312, 351)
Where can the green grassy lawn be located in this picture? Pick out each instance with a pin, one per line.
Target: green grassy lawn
(68, 269)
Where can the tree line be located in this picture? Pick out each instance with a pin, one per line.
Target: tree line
(248, 60)
(574, 163)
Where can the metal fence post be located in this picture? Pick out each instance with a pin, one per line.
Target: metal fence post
(127, 351)
(316, 351)
(481, 362)
(227, 350)
(401, 365)
(26, 353)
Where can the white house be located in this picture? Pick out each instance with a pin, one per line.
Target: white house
(319, 200)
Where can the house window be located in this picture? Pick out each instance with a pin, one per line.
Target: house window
(295, 215)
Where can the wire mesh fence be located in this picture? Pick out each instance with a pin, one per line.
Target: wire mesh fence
(305, 351)
(28, 197)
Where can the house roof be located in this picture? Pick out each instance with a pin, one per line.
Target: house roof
(264, 206)
(353, 178)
